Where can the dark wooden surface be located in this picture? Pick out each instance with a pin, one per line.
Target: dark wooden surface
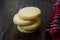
(8, 8)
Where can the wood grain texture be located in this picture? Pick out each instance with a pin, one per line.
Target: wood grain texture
(8, 8)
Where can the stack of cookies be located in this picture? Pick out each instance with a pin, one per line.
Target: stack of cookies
(27, 19)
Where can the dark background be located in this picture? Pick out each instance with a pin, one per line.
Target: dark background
(8, 8)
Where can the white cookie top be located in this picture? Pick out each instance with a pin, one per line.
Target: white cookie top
(29, 12)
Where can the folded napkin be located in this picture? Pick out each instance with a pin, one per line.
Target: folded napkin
(53, 29)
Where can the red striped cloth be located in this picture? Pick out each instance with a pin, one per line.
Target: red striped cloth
(53, 28)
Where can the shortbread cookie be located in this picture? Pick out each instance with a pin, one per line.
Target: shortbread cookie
(29, 13)
(23, 31)
(33, 26)
(20, 22)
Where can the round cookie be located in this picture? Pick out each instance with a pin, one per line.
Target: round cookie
(29, 13)
(23, 31)
(20, 22)
(33, 26)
